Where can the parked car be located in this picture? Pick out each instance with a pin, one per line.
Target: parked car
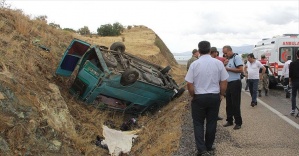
(116, 79)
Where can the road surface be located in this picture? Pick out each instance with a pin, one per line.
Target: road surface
(268, 129)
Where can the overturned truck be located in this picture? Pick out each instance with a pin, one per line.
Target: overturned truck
(116, 79)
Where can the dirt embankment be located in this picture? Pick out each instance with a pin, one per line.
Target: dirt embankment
(39, 116)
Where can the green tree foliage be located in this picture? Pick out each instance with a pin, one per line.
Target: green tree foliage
(110, 30)
(57, 26)
(84, 31)
(118, 28)
(69, 29)
(105, 30)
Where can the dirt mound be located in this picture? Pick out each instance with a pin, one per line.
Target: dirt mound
(39, 116)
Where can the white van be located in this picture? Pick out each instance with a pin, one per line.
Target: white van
(277, 50)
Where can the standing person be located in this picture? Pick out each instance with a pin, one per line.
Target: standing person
(246, 77)
(264, 83)
(294, 81)
(234, 67)
(222, 59)
(285, 76)
(206, 82)
(252, 67)
(195, 55)
(215, 54)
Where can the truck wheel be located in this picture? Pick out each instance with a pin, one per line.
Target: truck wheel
(109, 59)
(165, 70)
(272, 85)
(118, 46)
(129, 77)
(180, 92)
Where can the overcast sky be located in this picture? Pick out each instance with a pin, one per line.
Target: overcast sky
(180, 24)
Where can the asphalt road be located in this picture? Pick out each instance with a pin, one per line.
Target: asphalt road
(276, 99)
(268, 129)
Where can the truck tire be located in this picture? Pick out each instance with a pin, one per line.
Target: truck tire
(272, 82)
(129, 77)
(165, 70)
(109, 59)
(180, 92)
(272, 85)
(118, 46)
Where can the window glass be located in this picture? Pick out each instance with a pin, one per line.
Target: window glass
(284, 53)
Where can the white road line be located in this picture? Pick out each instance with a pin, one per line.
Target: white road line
(291, 122)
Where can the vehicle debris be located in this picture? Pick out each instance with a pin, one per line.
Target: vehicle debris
(35, 42)
(118, 141)
(128, 125)
(100, 142)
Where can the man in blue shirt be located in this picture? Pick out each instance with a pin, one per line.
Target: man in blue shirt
(234, 67)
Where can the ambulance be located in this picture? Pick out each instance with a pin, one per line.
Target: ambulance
(277, 50)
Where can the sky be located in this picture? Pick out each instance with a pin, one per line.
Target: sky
(180, 24)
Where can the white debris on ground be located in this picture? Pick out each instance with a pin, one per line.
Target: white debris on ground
(118, 141)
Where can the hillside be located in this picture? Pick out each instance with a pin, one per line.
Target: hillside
(39, 117)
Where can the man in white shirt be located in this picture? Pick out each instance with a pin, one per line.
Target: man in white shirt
(285, 76)
(206, 83)
(252, 68)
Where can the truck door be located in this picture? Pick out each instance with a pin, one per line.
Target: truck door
(71, 57)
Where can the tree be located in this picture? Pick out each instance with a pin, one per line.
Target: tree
(42, 18)
(110, 30)
(84, 31)
(57, 26)
(69, 29)
(3, 4)
(118, 28)
(105, 30)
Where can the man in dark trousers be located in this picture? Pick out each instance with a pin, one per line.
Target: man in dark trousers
(206, 83)
(215, 54)
(253, 67)
(234, 67)
(264, 83)
(294, 81)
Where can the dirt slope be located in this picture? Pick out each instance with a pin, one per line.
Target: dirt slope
(39, 116)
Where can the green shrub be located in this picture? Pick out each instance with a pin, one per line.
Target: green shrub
(69, 29)
(110, 30)
(57, 26)
(84, 31)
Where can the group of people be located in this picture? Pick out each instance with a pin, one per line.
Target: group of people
(211, 78)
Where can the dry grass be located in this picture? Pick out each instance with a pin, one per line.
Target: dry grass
(161, 134)
(6, 121)
(28, 70)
